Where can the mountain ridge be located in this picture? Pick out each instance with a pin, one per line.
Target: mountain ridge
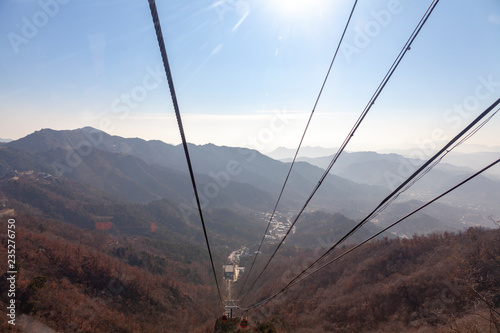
(217, 168)
(137, 170)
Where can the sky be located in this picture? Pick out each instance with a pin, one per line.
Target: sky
(248, 72)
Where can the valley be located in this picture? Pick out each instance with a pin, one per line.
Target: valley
(141, 171)
(239, 166)
(127, 204)
(278, 227)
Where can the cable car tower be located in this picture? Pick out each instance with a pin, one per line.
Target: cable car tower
(228, 323)
(228, 308)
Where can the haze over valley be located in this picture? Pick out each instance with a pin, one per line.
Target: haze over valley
(245, 180)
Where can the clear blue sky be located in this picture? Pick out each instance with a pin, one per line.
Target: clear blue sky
(247, 72)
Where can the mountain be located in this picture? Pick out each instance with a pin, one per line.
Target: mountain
(106, 226)
(437, 217)
(121, 175)
(468, 156)
(335, 194)
(141, 171)
(5, 140)
(476, 160)
(73, 202)
(470, 205)
(84, 140)
(320, 228)
(377, 169)
(390, 170)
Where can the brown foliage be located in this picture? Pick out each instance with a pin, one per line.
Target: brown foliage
(69, 283)
(394, 285)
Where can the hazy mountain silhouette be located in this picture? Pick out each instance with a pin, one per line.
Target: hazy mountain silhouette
(136, 170)
(141, 171)
(390, 170)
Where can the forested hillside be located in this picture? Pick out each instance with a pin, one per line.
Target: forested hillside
(76, 280)
(241, 166)
(439, 283)
(116, 246)
(71, 279)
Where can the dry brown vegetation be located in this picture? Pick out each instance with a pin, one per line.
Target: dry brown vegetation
(73, 278)
(76, 280)
(440, 283)
(70, 280)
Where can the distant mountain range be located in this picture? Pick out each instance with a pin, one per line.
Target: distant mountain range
(283, 153)
(239, 179)
(468, 157)
(389, 170)
(141, 171)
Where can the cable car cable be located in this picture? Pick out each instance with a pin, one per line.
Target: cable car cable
(377, 93)
(298, 148)
(294, 282)
(161, 44)
(398, 221)
(445, 148)
(431, 166)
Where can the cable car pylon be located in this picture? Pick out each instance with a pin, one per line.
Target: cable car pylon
(229, 307)
(229, 323)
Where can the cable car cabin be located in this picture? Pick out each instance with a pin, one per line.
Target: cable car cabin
(224, 317)
(244, 323)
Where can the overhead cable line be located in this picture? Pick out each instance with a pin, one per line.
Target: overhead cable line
(161, 44)
(294, 282)
(431, 166)
(408, 180)
(398, 221)
(382, 85)
(298, 148)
